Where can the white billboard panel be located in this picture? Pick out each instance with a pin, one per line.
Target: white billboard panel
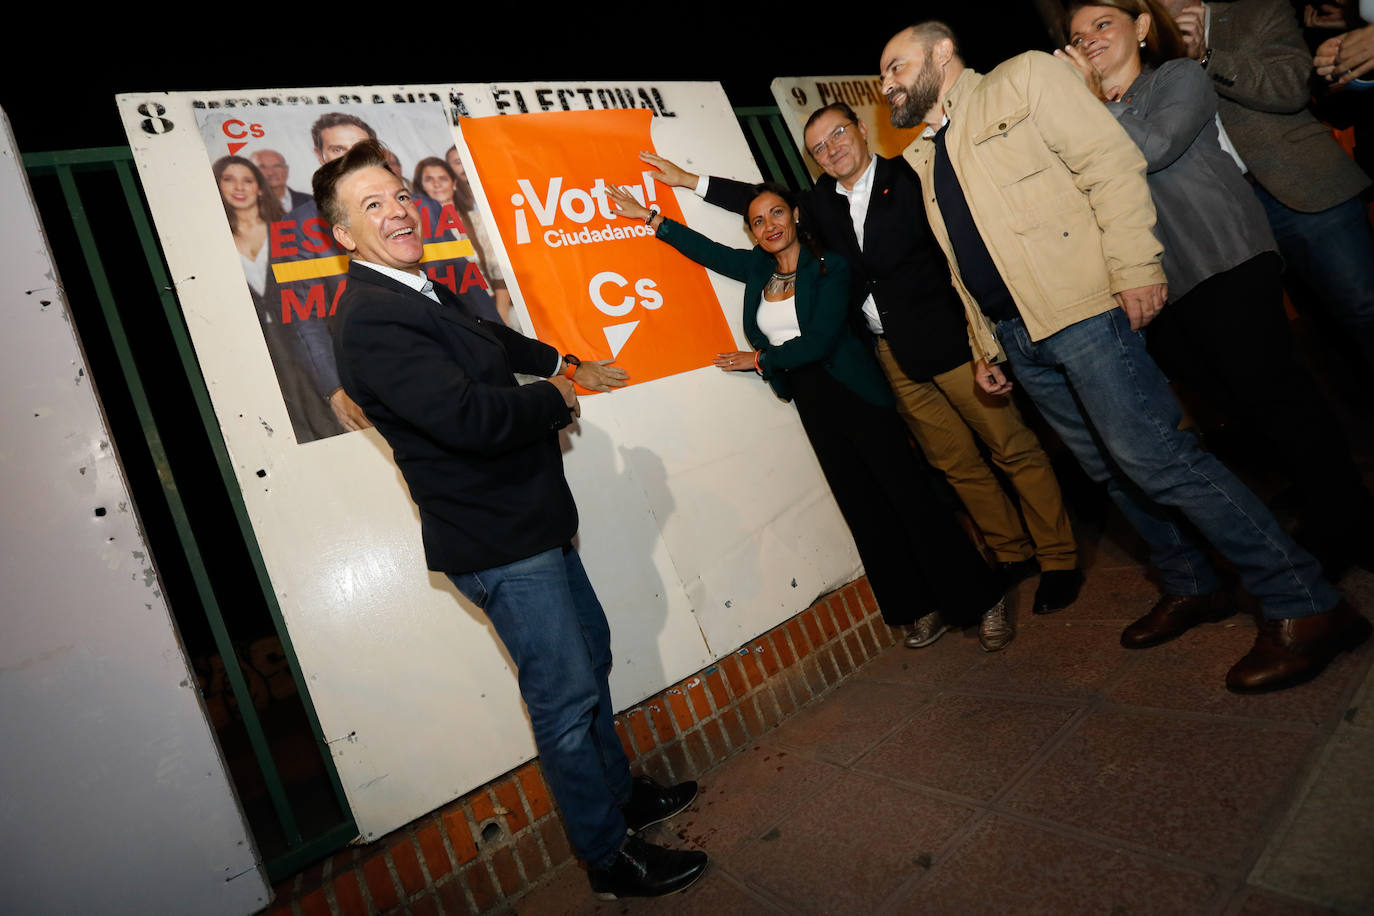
(705, 519)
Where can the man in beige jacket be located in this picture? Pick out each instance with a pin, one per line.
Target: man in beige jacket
(1039, 201)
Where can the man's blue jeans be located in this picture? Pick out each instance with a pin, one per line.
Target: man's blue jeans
(1100, 390)
(1331, 253)
(546, 612)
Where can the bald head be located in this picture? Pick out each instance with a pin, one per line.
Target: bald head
(918, 65)
(272, 164)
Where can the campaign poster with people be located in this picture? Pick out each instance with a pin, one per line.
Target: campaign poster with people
(594, 283)
(262, 160)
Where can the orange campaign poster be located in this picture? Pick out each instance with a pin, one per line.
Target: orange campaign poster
(595, 284)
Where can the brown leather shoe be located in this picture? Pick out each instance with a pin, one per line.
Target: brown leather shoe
(1174, 615)
(1288, 652)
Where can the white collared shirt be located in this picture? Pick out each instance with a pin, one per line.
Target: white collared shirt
(859, 196)
(418, 282)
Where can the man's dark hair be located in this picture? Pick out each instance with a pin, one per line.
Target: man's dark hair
(325, 184)
(334, 119)
(841, 107)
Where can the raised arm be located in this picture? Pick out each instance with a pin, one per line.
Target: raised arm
(726, 193)
(724, 260)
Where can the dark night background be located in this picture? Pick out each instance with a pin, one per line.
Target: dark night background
(60, 81)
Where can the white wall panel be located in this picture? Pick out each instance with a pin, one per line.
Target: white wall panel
(113, 795)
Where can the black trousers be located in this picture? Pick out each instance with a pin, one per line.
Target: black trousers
(1228, 339)
(917, 557)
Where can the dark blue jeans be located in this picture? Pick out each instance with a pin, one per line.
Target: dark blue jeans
(1331, 253)
(1097, 386)
(546, 612)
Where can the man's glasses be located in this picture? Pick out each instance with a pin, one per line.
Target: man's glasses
(836, 135)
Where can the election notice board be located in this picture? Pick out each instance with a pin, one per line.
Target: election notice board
(704, 517)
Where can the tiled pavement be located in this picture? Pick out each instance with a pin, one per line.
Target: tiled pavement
(1062, 775)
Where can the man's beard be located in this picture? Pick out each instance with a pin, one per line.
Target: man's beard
(921, 97)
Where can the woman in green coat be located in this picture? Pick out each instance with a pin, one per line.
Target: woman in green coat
(925, 572)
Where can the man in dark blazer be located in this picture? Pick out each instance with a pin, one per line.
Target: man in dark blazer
(481, 456)
(901, 294)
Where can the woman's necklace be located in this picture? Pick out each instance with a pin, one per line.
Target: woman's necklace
(781, 284)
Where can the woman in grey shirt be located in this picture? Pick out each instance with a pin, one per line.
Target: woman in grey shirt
(1224, 332)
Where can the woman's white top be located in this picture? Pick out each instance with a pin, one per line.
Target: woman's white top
(778, 320)
(255, 269)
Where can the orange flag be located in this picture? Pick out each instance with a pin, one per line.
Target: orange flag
(595, 284)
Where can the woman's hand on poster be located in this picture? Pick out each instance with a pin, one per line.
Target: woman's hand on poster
(669, 173)
(1079, 61)
(349, 414)
(624, 203)
(738, 361)
(600, 375)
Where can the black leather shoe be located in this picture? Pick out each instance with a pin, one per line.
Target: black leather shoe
(1014, 571)
(651, 803)
(1057, 590)
(1174, 615)
(642, 869)
(1288, 652)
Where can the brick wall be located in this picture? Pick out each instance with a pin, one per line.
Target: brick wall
(479, 851)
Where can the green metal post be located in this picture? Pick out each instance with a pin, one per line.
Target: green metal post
(754, 119)
(191, 369)
(789, 151)
(175, 505)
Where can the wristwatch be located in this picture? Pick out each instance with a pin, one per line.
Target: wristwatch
(570, 363)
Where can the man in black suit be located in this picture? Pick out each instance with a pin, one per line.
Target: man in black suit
(481, 456)
(869, 209)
